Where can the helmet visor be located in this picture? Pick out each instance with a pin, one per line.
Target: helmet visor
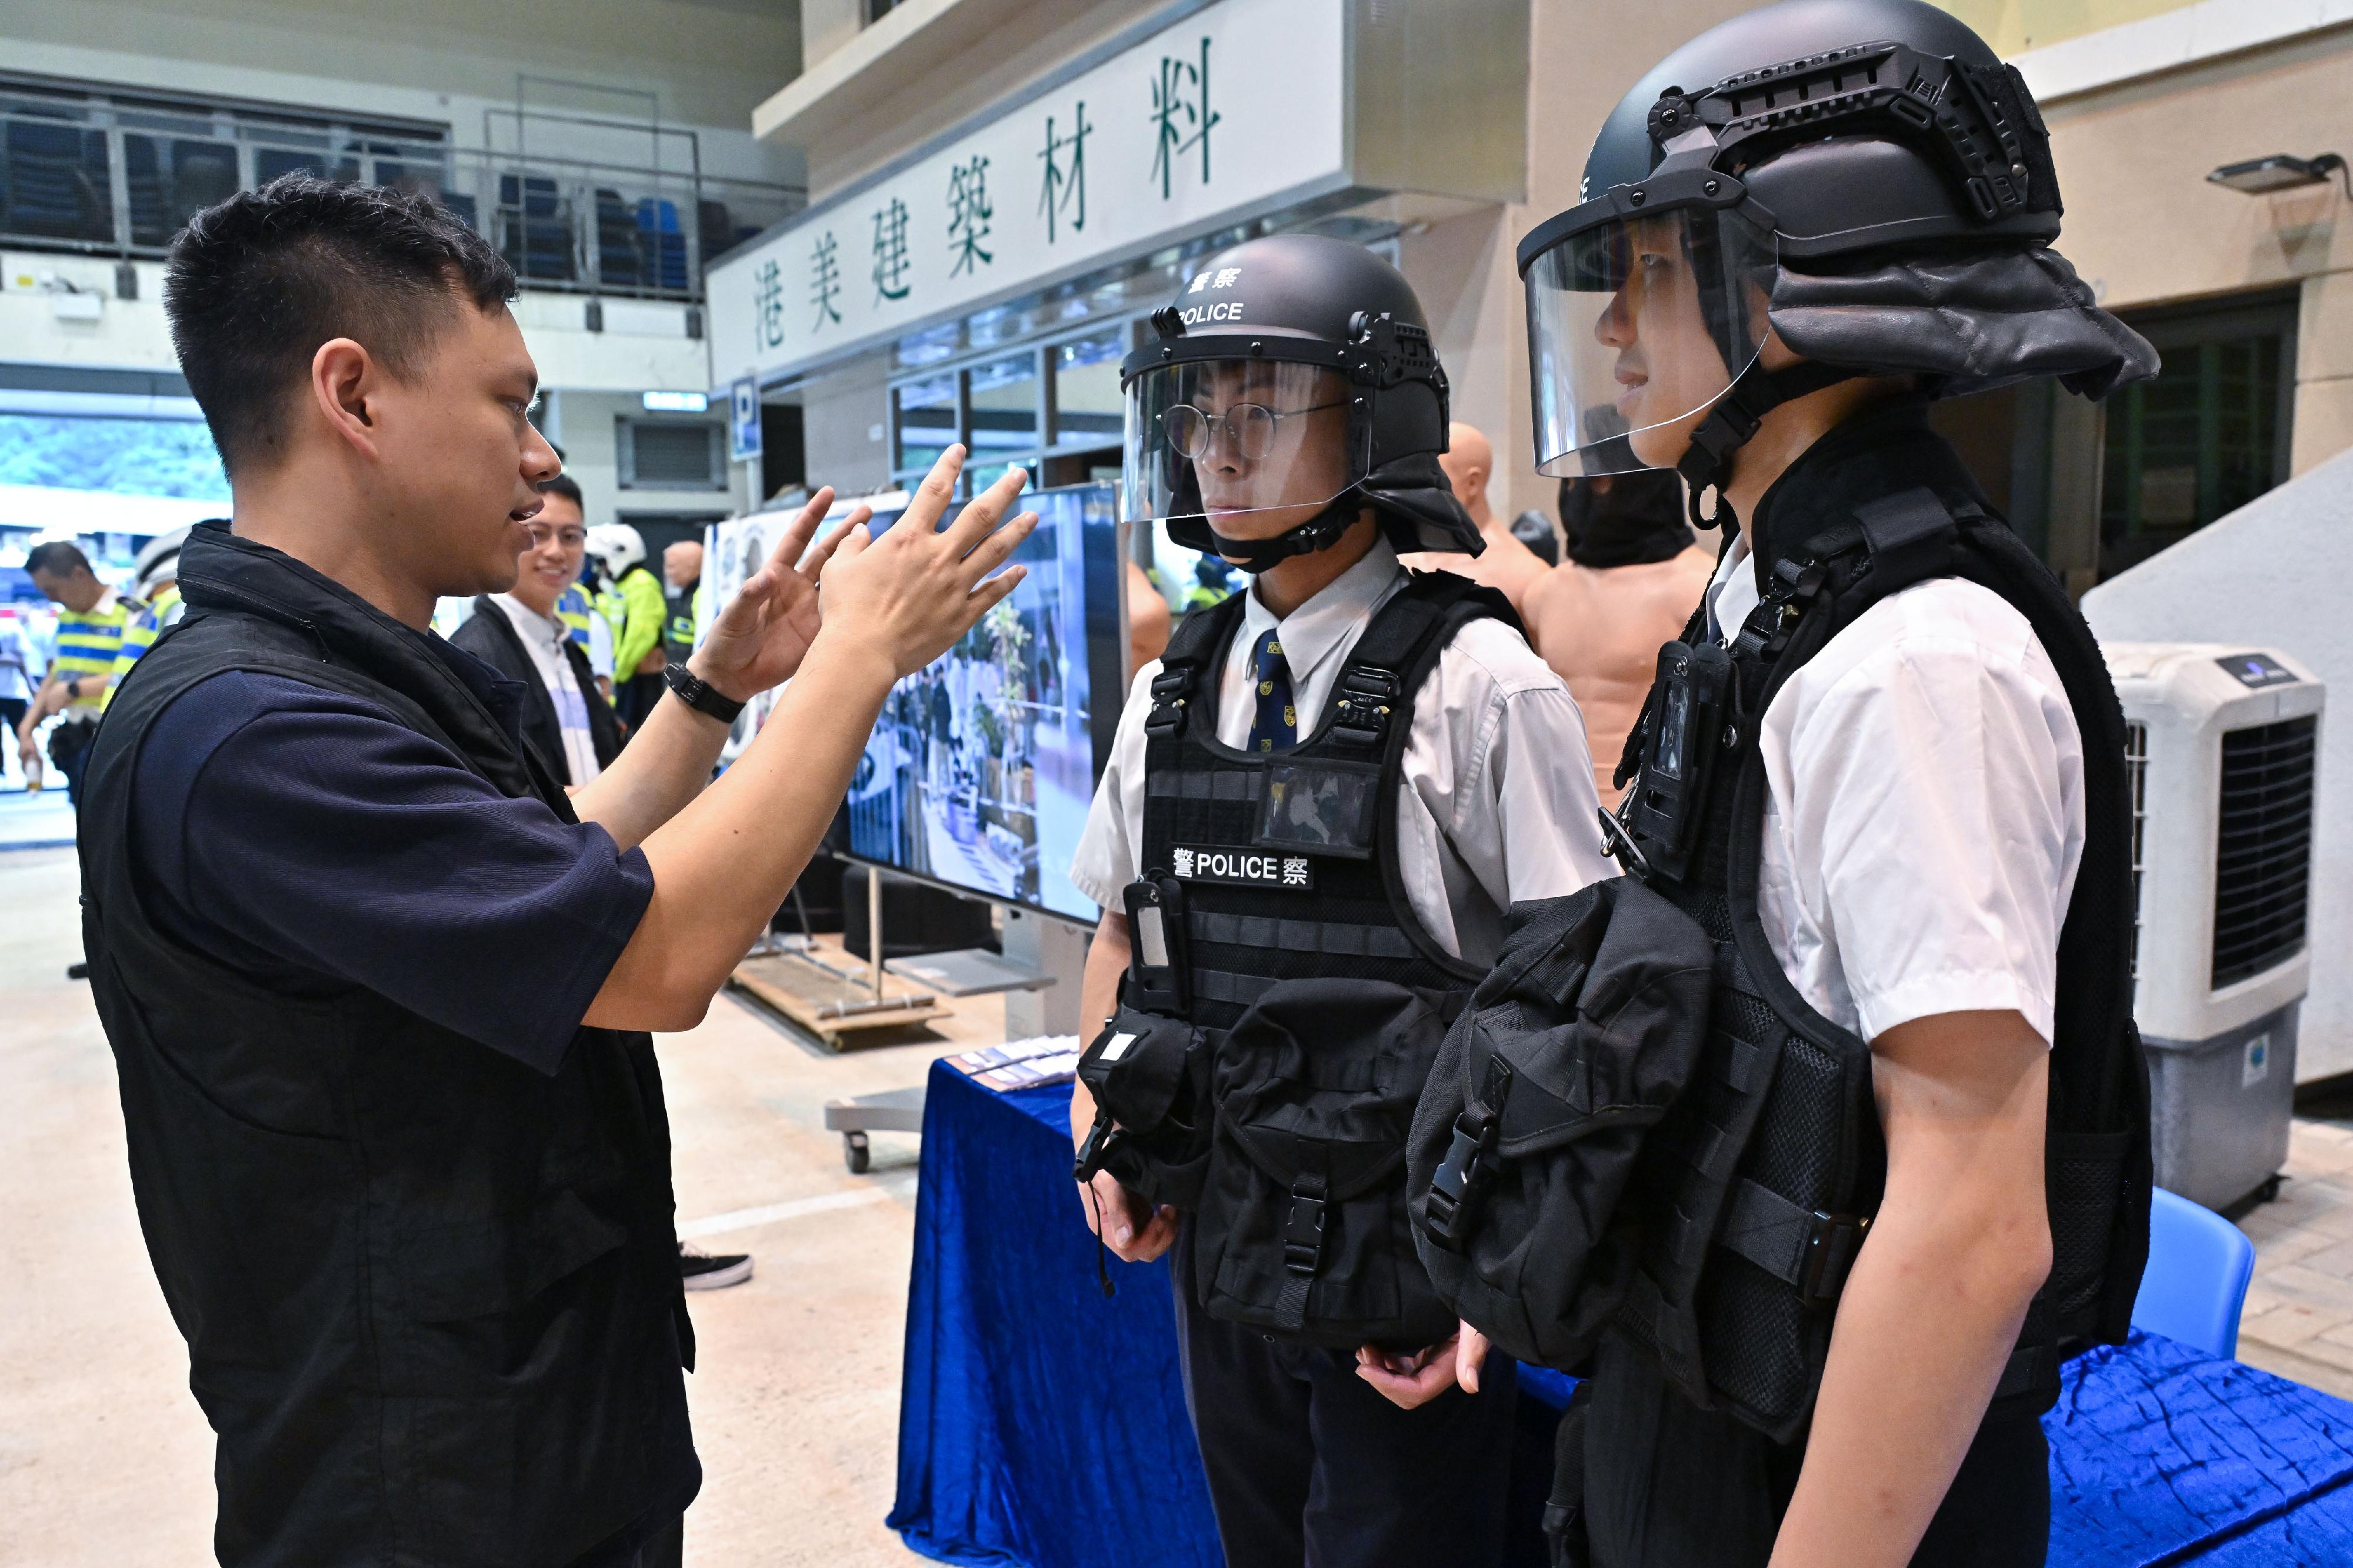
(1228, 438)
(1636, 326)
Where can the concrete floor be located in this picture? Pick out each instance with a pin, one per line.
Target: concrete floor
(104, 1458)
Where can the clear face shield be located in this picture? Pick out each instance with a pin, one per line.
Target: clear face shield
(1255, 446)
(1635, 327)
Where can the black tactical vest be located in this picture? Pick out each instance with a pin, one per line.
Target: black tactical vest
(1761, 1182)
(431, 1295)
(1286, 1003)
(1285, 859)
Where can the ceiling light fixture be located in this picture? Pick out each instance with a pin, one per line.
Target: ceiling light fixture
(2281, 171)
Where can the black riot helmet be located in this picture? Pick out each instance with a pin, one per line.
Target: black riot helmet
(1294, 373)
(1866, 176)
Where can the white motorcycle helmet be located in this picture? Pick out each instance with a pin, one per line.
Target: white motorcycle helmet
(158, 563)
(618, 545)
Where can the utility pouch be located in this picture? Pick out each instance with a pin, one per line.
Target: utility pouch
(1158, 975)
(1587, 1031)
(1149, 1075)
(1663, 810)
(1301, 1232)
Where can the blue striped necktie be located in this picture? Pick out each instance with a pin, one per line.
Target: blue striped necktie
(1276, 727)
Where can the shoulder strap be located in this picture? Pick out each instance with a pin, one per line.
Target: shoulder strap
(1198, 640)
(1373, 698)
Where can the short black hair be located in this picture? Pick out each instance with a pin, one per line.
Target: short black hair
(567, 487)
(57, 559)
(255, 285)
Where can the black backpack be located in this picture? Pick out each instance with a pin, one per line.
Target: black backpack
(1302, 1229)
(1587, 1031)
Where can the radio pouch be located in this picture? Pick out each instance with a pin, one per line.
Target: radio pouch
(1575, 1046)
(1149, 1075)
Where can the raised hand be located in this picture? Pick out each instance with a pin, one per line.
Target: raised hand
(910, 593)
(761, 634)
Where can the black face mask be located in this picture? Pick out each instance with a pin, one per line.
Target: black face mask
(1637, 520)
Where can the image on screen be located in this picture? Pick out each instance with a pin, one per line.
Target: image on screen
(736, 549)
(1187, 579)
(980, 773)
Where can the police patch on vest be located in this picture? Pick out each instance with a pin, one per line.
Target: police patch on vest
(1243, 868)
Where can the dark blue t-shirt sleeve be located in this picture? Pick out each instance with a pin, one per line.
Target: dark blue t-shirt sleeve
(312, 833)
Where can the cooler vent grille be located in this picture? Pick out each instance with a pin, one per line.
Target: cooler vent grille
(2263, 862)
(2136, 782)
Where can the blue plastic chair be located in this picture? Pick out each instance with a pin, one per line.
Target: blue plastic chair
(2196, 1282)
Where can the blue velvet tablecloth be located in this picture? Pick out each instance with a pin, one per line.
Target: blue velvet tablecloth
(1042, 1425)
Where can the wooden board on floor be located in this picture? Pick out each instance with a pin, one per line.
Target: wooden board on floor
(833, 1006)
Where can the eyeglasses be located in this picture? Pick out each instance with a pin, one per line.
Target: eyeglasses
(1250, 426)
(570, 538)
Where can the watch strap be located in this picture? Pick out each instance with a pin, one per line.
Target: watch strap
(700, 694)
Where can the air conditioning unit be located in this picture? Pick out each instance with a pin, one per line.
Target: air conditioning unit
(2223, 745)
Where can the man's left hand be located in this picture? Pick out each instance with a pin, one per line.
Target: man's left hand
(760, 634)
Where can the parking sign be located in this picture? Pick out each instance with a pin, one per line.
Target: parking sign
(744, 421)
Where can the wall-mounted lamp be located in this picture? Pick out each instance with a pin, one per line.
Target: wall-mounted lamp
(2281, 171)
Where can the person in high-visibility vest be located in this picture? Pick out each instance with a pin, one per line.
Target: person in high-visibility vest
(584, 623)
(636, 610)
(155, 582)
(91, 619)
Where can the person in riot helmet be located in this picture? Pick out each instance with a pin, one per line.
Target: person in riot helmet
(1884, 766)
(1321, 802)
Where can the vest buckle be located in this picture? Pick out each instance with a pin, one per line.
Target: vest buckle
(1169, 689)
(1463, 1177)
(1366, 695)
(1302, 1233)
(1832, 1240)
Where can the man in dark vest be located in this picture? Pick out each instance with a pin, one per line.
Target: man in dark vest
(1883, 769)
(414, 1220)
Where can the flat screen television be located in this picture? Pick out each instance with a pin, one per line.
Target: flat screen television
(978, 774)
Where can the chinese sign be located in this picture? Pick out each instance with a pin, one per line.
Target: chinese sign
(1236, 108)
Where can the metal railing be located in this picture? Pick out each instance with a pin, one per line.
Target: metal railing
(122, 183)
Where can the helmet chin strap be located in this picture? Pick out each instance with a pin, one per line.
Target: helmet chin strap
(1321, 532)
(1755, 392)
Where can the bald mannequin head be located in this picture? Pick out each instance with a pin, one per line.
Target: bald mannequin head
(1468, 462)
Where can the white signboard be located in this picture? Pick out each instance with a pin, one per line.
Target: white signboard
(1235, 105)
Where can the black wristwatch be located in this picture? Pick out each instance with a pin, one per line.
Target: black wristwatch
(700, 694)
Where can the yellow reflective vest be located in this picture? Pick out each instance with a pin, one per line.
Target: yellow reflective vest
(88, 641)
(139, 635)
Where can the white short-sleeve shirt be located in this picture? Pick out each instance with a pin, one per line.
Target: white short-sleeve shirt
(1497, 804)
(1924, 816)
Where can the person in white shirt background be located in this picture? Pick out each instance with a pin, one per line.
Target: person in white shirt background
(20, 675)
(519, 633)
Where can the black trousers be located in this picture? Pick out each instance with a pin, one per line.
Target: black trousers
(69, 745)
(1668, 1485)
(1308, 1466)
(11, 713)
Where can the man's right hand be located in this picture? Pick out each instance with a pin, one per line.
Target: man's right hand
(1132, 1229)
(910, 594)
